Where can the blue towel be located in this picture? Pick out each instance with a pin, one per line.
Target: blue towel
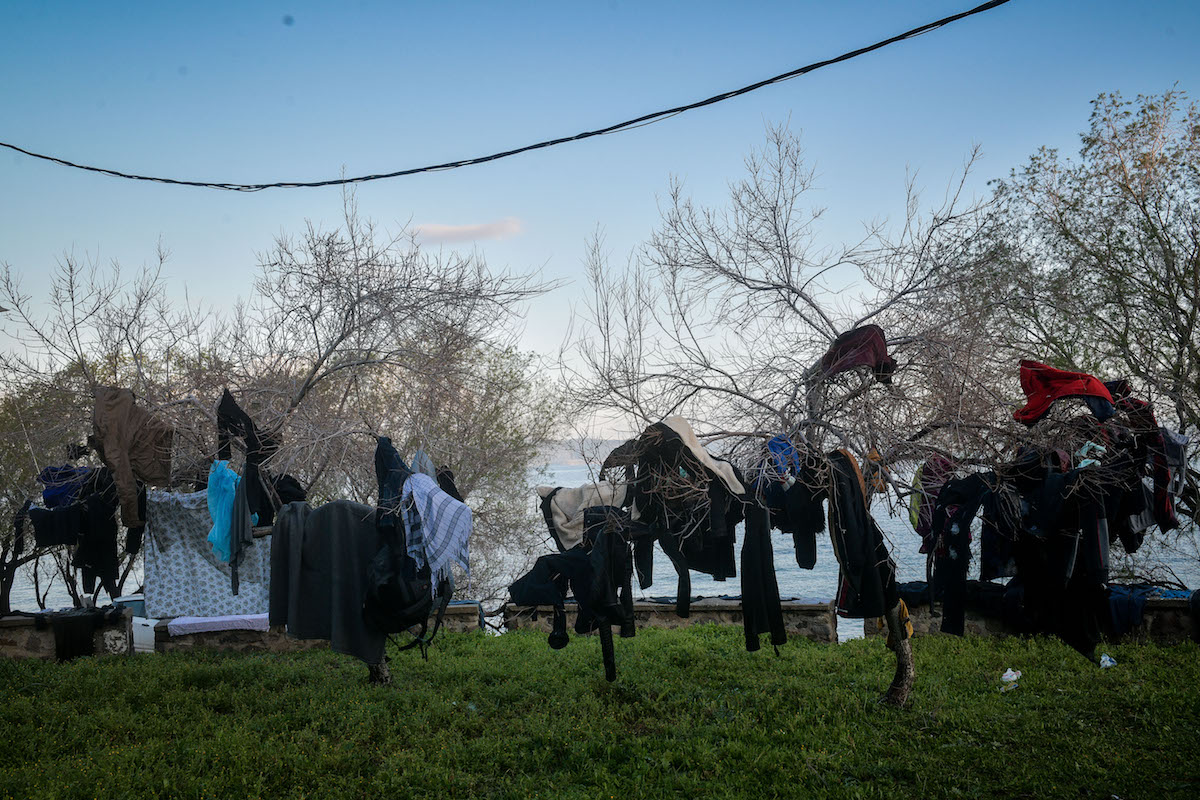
(62, 484)
(222, 485)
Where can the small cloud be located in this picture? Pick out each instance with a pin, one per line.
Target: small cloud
(500, 229)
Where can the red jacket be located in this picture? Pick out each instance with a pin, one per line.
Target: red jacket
(1044, 384)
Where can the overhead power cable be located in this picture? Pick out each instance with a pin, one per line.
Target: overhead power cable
(637, 122)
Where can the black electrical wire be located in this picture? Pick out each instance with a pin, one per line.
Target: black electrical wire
(645, 119)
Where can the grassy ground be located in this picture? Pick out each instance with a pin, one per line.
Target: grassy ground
(691, 714)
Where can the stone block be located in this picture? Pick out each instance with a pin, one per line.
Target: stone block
(20, 638)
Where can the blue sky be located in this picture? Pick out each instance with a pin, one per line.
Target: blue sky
(229, 91)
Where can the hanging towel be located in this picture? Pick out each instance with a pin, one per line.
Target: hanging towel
(436, 526)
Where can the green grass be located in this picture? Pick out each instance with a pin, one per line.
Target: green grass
(690, 715)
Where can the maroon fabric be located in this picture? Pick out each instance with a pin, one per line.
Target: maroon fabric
(937, 470)
(1043, 384)
(861, 347)
(1149, 442)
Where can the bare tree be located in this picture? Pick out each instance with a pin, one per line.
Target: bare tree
(349, 333)
(724, 314)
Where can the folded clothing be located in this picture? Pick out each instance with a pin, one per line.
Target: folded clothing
(181, 626)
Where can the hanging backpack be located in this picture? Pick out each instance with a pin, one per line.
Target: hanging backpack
(399, 597)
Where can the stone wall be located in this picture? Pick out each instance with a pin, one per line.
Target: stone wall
(1163, 622)
(20, 638)
(1166, 622)
(460, 618)
(815, 621)
(273, 640)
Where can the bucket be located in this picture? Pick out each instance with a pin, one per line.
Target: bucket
(143, 634)
(134, 602)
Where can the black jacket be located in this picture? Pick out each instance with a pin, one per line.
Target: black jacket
(761, 608)
(867, 583)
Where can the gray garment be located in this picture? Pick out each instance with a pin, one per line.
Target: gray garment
(241, 531)
(421, 462)
(319, 563)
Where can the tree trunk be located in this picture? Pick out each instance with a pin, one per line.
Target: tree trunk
(380, 675)
(897, 694)
(902, 683)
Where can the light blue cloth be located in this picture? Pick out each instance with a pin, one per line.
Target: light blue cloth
(436, 526)
(222, 485)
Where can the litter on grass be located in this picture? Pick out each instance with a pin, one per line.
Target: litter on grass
(1008, 681)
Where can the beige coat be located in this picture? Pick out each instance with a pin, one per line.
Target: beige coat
(568, 506)
(134, 445)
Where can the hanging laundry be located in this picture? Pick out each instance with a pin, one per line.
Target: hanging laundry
(222, 485)
(683, 491)
(762, 611)
(400, 594)
(927, 483)
(62, 484)
(1001, 514)
(1175, 450)
(793, 495)
(421, 462)
(183, 576)
(1150, 448)
(598, 573)
(612, 593)
(445, 482)
(53, 527)
(232, 421)
(1043, 385)
(287, 489)
(241, 533)
(1089, 449)
(320, 559)
(958, 502)
(437, 527)
(562, 508)
(785, 459)
(551, 580)
(875, 471)
(133, 443)
(90, 525)
(867, 575)
(96, 552)
(865, 346)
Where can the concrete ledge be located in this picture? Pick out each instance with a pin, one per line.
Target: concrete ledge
(20, 638)
(815, 621)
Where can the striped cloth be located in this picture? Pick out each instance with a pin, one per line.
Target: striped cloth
(436, 527)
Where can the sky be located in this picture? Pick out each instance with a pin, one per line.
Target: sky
(268, 91)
